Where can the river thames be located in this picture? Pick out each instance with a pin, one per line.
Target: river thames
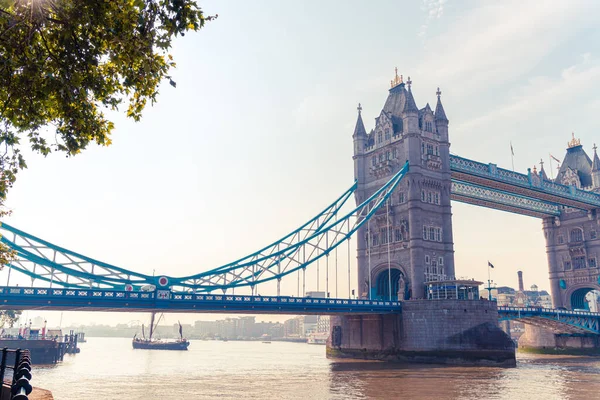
(108, 368)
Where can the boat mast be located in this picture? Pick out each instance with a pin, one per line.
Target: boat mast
(152, 324)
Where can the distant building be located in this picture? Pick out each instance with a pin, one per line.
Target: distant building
(507, 296)
(291, 327)
(323, 325)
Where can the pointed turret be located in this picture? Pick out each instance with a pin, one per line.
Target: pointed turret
(441, 122)
(359, 130)
(440, 114)
(409, 105)
(596, 170)
(542, 172)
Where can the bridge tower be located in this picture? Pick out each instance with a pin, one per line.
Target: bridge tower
(409, 241)
(573, 238)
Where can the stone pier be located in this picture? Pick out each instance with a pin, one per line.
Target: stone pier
(427, 331)
(543, 341)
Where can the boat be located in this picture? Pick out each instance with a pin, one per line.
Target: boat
(266, 338)
(153, 344)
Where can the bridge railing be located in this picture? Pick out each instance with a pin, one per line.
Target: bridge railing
(166, 295)
(548, 311)
(491, 171)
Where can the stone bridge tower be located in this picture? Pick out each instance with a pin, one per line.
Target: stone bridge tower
(573, 238)
(409, 242)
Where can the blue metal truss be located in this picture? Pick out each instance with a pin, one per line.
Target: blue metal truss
(558, 321)
(470, 193)
(43, 261)
(19, 298)
(529, 186)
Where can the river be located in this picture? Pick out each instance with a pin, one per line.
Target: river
(108, 368)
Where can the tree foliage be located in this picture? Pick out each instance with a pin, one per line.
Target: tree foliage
(64, 63)
(9, 317)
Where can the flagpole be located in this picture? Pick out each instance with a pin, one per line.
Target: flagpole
(489, 283)
(512, 156)
(551, 167)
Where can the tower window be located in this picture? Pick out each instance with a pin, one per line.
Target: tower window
(592, 263)
(379, 137)
(422, 148)
(374, 161)
(397, 235)
(422, 195)
(381, 157)
(593, 234)
(437, 198)
(576, 235)
(578, 262)
(401, 198)
(427, 261)
(437, 151)
(567, 265)
(429, 149)
(424, 232)
(441, 261)
(387, 134)
(561, 239)
(388, 155)
(395, 153)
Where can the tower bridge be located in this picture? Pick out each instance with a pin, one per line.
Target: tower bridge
(405, 180)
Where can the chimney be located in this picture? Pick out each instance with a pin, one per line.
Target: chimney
(520, 273)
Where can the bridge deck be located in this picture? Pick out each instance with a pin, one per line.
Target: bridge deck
(19, 298)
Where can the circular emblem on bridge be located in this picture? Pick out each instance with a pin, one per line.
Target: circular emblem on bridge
(163, 281)
(128, 288)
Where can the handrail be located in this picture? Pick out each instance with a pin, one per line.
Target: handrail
(20, 387)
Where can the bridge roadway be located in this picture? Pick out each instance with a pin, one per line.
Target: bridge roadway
(24, 298)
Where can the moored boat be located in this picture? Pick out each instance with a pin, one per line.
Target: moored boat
(153, 344)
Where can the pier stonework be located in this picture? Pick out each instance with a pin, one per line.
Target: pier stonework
(539, 340)
(438, 331)
(407, 243)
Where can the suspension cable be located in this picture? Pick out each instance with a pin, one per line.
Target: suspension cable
(369, 254)
(387, 233)
(348, 244)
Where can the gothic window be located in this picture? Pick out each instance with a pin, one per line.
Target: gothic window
(429, 149)
(424, 232)
(381, 157)
(379, 137)
(384, 236)
(395, 153)
(431, 233)
(441, 261)
(593, 234)
(375, 240)
(387, 134)
(388, 155)
(437, 198)
(429, 197)
(434, 266)
(397, 235)
(561, 239)
(437, 151)
(427, 259)
(374, 160)
(592, 263)
(401, 198)
(567, 265)
(578, 262)
(576, 235)
(422, 195)
(438, 234)
(422, 147)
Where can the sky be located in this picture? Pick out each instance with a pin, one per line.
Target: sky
(256, 138)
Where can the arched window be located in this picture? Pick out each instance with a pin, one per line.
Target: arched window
(379, 137)
(576, 235)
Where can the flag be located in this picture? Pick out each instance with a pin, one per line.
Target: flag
(490, 265)
(512, 151)
(554, 158)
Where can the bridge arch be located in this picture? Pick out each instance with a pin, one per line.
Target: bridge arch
(576, 295)
(381, 279)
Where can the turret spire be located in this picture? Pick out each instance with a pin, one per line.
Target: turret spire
(440, 114)
(596, 161)
(359, 130)
(410, 105)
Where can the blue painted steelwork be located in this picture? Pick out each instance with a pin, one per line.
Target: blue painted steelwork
(43, 261)
(19, 298)
(528, 185)
(498, 199)
(559, 321)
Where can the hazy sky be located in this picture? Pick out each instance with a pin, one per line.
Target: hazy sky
(256, 138)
